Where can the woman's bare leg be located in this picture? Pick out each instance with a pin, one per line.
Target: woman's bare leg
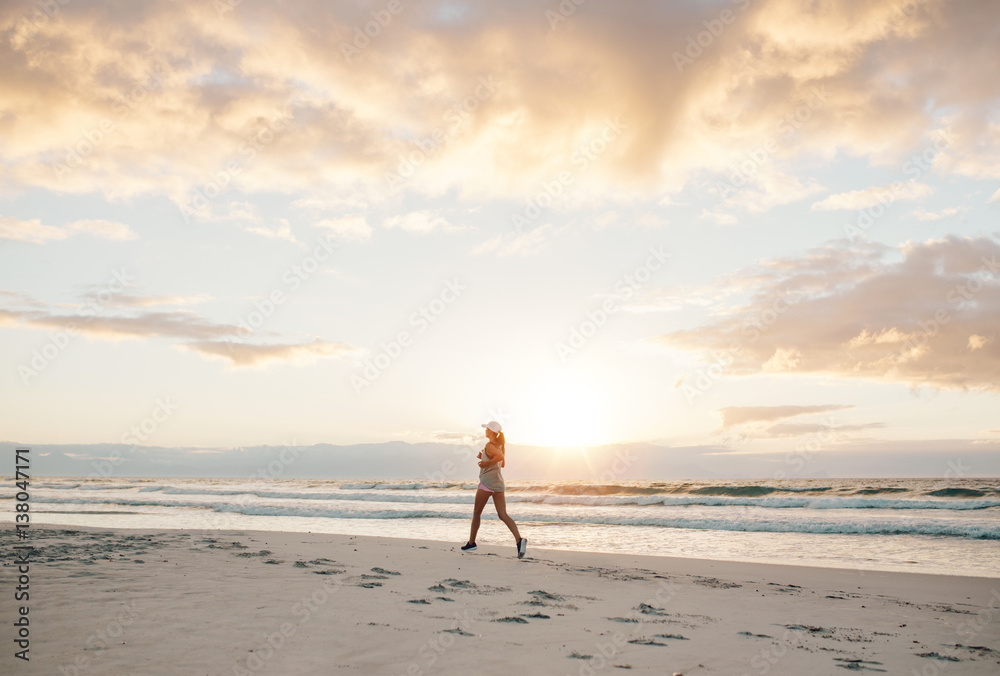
(482, 497)
(500, 502)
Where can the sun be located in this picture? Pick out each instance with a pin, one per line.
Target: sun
(564, 412)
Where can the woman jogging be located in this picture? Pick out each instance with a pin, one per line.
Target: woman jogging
(491, 483)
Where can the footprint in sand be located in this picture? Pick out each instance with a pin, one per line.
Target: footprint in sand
(544, 599)
(231, 545)
(976, 650)
(812, 630)
(856, 665)
(753, 635)
(652, 641)
(785, 588)
(938, 656)
(715, 583)
(262, 553)
(647, 641)
(454, 585)
(457, 630)
(322, 561)
(647, 609)
(546, 596)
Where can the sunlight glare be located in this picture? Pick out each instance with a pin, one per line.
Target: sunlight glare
(565, 413)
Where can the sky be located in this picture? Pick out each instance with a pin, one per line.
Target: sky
(750, 227)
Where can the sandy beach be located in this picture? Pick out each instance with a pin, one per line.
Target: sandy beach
(234, 602)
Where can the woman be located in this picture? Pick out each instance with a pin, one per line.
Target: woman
(491, 483)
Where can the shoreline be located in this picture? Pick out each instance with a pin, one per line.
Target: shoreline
(685, 563)
(490, 538)
(168, 601)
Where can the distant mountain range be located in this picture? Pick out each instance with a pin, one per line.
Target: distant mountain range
(450, 462)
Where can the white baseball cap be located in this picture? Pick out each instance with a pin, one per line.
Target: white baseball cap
(493, 426)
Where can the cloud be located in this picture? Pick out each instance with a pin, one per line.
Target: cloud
(326, 202)
(420, 222)
(783, 359)
(606, 219)
(354, 228)
(519, 243)
(768, 188)
(35, 232)
(20, 298)
(452, 437)
(924, 215)
(761, 422)
(719, 217)
(862, 199)
(281, 230)
(242, 211)
(168, 98)
(821, 270)
(241, 354)
(190, 331)
(611, 218)
(741, 415)
(130, 300)
(795, 430)
(29, 231)
(209, 211)
(104, 229)
(924, 314)
(648, 220)
(9, 316)
(977, 342)
(171, 323)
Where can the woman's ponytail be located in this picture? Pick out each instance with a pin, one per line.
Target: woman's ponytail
(503, 446)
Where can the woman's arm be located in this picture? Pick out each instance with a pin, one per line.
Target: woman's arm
(495, 453)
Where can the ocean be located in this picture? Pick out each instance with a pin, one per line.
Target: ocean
(940, 526)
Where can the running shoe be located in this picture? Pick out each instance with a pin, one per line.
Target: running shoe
(469, 547)
(522, 547)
